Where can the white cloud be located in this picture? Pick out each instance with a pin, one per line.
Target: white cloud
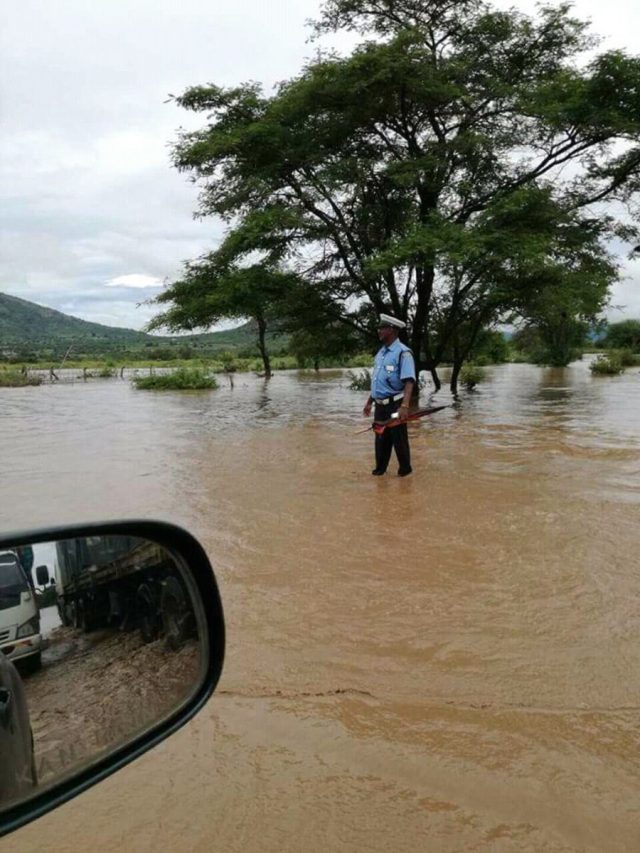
(130, 152)
(135, 280)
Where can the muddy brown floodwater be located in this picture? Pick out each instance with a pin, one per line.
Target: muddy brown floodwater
(448, 662)
(97, 691)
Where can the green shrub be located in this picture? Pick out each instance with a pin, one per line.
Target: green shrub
(624, 334)
(491, 347)
(287, 362)
(519, 357)
(364, 359)
(607, 365)
(228, 361)
(359, 381)
(106, 373)
(17, 379)
(625, 356)
(183, 379)
(471, 375)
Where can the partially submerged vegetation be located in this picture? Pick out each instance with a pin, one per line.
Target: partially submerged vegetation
(626, 357)
(615, 361)
(18, 379)
(607, 365)
(359, 381)
(183, 379)
(471, 375)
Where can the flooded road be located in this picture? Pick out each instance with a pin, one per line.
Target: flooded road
(446, 662)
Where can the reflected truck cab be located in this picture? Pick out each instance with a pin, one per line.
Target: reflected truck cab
(20, 638)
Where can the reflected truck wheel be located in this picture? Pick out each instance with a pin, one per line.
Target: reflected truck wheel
(76, 614)
(63, 613)
(82, 617)
(31, 664)
(147, 613)
(175, 613)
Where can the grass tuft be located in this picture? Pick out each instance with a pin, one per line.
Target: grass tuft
(17, 379)
(183, 379)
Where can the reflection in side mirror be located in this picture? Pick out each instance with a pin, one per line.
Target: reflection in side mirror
(94, 666)
(42, 575)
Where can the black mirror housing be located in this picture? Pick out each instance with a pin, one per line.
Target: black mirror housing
(42, 575)
(194, 570)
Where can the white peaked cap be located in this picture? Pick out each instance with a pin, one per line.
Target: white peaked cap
(387, 320)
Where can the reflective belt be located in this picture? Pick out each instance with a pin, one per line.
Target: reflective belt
(387, 400)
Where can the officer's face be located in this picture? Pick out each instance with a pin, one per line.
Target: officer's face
(386, 334)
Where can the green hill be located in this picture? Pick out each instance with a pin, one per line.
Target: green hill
(25, 322)
(28, 330)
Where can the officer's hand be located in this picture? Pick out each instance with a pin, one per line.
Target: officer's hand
(403, 412)
(367, 410)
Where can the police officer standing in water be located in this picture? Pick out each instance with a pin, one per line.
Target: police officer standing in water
(394, 375)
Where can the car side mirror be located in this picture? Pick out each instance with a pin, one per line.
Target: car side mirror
(42, 575)
(126, 651)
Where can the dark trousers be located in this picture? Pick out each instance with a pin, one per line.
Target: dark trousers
(395, 437)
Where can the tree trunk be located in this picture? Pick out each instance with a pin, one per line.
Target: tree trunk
(457, 367)
(461, 352)
(419, 334)
(262, 346)
(458, 361)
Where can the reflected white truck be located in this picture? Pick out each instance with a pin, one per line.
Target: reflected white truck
(20, 637)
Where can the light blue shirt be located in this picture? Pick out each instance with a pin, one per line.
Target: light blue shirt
(392, 367)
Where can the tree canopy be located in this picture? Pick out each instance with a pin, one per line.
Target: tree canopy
(454, 170)
(624, 335)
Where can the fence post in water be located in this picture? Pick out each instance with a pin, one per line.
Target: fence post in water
(122, 372)
(84, 373)
(52, 375)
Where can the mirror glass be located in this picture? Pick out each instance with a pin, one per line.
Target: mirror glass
(101, 638)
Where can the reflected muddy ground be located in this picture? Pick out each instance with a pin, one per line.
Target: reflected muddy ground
(97, 691)
(447, 662)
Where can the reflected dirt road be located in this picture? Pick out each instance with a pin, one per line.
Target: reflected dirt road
(447, 662)
(97, 691)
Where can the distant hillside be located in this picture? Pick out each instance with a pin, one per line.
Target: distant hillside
(22, 321)
(25, 326)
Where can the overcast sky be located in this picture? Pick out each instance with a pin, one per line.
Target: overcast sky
(94, 218)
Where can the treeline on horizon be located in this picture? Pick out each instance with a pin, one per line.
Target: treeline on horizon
(236, 351)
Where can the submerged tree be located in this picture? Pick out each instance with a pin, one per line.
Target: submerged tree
(384, 181)
(211, 291)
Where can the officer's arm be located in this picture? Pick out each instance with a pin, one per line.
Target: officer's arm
(406, 400)
(407, 367)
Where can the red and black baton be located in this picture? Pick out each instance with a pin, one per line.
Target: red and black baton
(380, 426)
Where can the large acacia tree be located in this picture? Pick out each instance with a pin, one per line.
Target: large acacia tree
(445, 172)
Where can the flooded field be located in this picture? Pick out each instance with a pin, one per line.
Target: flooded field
(449, 661)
